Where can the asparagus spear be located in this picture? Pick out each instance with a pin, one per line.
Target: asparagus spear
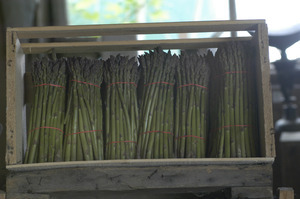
(84, 123)
(121, 76)
(47, 112)
(192, 76)
(235, 98)
(156, 123)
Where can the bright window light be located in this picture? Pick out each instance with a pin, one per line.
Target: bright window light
(274, 54)
(293, 52)
(282, 17)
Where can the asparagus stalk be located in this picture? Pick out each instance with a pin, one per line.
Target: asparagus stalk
(156, 124)
(121, 76)
(84, 123)
(232, 128)
(47, 112)
(192, 76)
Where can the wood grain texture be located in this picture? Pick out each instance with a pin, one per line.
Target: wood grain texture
(286, 193)
(15, 95)
(76, 47)
(136, 28)
(265, 113)
(134, 176)
(141, 163)
(252, 192)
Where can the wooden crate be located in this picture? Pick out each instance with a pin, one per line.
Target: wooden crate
(186, 175)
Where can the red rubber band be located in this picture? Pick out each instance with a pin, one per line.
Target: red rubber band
(231, 72)
(159, 83)
(194, 136)
(157, 132)
(133, 83)
(192, 85)
(83, 132)
(85, 83)
(46, 127)
(50, 85)
(238, 125)
(116, 142)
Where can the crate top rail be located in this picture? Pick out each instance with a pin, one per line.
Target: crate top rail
(135, 28)
(126, 29)
(77, 47)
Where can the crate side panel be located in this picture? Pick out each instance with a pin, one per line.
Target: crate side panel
(267, 143)
(15, 64)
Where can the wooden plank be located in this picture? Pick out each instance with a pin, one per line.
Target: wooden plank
(103, 177)
(252, 192)
(26, 196)
(75, 47)
(136, 28)
(265, 115)
(15, 117)
(141, 163)
(286, 193)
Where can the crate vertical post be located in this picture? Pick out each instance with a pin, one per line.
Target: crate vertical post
(265, 114)
(15, 116)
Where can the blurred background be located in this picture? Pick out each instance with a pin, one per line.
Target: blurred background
(282, 17)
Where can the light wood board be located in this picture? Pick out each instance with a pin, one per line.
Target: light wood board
(139, 174)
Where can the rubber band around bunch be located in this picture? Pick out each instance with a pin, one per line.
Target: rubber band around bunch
(55, 85)
(46, 127)
(232, 72)
(237, 125)
(126, 141)
(157, 132)
(192, 136)
(133, 83)
(197, 85)
(85, 83)
(83, 132)
(168, 83)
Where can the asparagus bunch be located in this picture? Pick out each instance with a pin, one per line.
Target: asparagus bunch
(192, 77)
(233, 103)
(84, 117)
(156, 134)
(45, 131)
(121, 121)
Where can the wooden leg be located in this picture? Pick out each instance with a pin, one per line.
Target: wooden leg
(2, 194)
(251, 192)
(286, 193)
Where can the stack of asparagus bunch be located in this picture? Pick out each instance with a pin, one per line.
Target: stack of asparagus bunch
(45, 132)
(84, 128)
(156, 134)
(233, 103)
(121, 75)
(191, 106)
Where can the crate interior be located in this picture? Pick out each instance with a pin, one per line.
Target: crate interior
(31, 42)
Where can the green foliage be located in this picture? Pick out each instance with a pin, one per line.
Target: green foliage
(123, 11)
(114, 11)
(83, 12)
